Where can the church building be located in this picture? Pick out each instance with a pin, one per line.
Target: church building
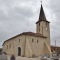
(31, 44)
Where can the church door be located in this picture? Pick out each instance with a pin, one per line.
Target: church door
(19, 51)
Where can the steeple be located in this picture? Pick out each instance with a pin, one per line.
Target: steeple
(42, 25)
(42, 16)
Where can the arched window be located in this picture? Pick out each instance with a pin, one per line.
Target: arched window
(39, 24)
(19, 40)
(32, 40)
(37, 41)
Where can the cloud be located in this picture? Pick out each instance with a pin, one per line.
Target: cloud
(18, 16)
(13, 15)
(55, 22)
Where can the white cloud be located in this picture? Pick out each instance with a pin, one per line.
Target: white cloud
(17, 13)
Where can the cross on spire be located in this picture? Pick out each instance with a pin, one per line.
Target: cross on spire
(41, 1)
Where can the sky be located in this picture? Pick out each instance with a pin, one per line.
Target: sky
(17, 16)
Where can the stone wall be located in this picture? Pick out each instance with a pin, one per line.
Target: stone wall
(24, 58)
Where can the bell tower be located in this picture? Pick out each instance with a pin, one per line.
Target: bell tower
(42, 25)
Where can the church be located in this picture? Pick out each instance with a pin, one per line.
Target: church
(31, 44)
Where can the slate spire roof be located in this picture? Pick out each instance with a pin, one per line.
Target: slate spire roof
(42, 16)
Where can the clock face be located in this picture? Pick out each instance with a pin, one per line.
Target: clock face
(46, 28)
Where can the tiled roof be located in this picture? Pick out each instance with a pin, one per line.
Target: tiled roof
(29, 34)
(55, 46)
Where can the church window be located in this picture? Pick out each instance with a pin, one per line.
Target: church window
(19, 40)
(7, 46)
(39, 24)
(32, 40)
(57, 49)
(46, 23)
(10, 46)
(13, 46)
(37, 41)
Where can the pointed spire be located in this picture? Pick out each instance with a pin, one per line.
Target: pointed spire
(42, 14)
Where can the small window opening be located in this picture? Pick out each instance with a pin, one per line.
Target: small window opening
(19, 40)
(46, 23)
(39, 24)
(37, 41)
(32, 40)
(7, 46)
(10, 46)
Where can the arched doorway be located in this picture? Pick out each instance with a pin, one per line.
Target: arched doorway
(19, 51)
